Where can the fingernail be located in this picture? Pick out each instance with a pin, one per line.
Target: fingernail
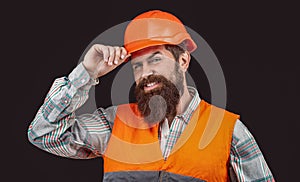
(116, 62)
(122, 56)
(110, 63)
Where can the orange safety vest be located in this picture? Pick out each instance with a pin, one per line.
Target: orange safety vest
(200, 154)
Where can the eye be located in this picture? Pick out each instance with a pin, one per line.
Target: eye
(155, 60)
(136, 66)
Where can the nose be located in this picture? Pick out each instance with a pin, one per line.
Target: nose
(145, 74)
(147, 71)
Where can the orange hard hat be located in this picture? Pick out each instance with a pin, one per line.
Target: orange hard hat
(156, 27)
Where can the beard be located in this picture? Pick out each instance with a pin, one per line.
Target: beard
(161, 102)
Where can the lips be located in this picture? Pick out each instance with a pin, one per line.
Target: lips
(151, 86)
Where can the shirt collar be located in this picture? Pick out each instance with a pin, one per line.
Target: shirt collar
(186, 115)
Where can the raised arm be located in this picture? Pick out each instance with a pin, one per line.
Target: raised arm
(56, 128)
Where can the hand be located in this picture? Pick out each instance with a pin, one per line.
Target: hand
(101, 59)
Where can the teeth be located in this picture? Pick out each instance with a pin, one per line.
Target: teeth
(151, 84)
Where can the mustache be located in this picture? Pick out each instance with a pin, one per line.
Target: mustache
(150, 79)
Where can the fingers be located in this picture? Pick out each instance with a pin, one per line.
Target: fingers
(102, 50)
(111, 54)
(123, 53)
(116, 55)
(101, 59)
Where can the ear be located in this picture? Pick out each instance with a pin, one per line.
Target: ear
(184, 60)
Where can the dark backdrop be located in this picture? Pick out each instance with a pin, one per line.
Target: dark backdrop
(256, 44)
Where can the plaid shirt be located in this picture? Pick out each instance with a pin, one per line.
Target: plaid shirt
(56, 128)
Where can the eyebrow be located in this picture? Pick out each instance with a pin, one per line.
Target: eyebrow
(151, 56)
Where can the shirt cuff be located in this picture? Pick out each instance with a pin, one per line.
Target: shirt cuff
(80, 77)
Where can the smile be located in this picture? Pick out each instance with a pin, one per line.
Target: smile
(150, 86)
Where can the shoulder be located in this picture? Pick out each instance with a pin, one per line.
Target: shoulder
(241, 135)
(218, 110)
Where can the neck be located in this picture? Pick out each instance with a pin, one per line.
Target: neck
(184, 101)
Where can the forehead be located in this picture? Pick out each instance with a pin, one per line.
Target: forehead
(147, 52)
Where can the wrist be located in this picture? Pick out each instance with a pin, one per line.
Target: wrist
(92, 73)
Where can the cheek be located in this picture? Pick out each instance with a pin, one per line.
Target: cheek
(137, 83)
(169, 73)
(136, 77)
(175, 76)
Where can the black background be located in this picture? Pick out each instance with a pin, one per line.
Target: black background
(256, 44)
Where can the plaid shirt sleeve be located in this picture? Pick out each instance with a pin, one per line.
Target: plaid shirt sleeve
(246, 159)
(56, 128)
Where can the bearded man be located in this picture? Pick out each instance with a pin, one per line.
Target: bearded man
(157, 138)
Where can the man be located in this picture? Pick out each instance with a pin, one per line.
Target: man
(159, 137)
